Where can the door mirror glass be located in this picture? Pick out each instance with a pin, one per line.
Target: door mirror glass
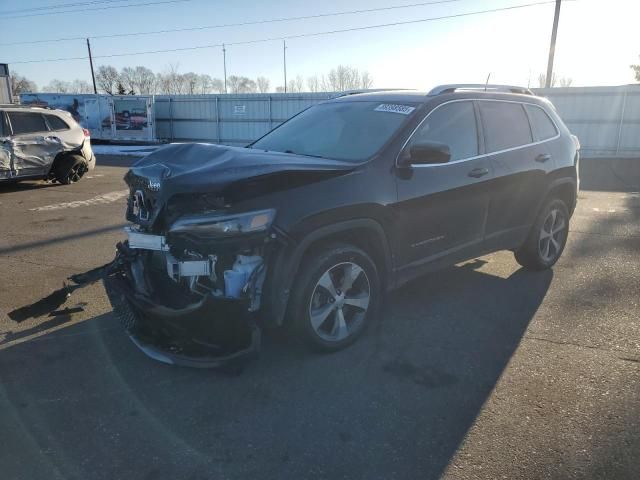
(429, 152)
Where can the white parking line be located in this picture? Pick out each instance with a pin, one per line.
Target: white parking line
(100, 199)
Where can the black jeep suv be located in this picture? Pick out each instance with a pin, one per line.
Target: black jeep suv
(313, 222)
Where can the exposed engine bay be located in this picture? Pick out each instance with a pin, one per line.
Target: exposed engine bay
(187, 298)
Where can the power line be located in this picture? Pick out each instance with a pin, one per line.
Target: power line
(302, 35)
(60, 5)
(95, 9)
(240, 24)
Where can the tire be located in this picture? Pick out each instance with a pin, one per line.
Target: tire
(326, 317)
(70, 169)
(542, 249)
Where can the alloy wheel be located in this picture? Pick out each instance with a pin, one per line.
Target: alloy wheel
(76, 172)
(552, 235)
(339, 302)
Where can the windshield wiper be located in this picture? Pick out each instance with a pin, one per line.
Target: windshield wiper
(304, 154)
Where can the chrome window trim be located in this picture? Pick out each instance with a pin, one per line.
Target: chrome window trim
(484, 154)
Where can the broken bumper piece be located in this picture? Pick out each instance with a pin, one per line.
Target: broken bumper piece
(208, 333)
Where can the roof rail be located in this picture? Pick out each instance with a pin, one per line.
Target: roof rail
(366, 90)
(440, 89)
(20, 105)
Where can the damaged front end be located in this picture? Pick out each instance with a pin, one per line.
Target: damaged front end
(189, 294)
(201, 246)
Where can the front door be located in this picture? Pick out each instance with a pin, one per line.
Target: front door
(442, 208)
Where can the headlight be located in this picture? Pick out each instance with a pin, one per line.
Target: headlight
(225, 226)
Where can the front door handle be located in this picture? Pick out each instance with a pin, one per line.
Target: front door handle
(478, 172)
(543, 157)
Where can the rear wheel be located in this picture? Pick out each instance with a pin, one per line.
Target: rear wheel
(547, 238)
(70, 169)
(335, 297)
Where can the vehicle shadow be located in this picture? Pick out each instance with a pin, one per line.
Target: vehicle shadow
(27, 185)
(397, 404)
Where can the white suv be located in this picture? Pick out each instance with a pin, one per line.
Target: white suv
(41, 143)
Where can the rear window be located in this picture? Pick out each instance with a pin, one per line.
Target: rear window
(505, 125)
(56, 123)
(541, 123)
(26, 122)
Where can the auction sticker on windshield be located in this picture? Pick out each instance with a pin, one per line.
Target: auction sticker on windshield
(389, 107)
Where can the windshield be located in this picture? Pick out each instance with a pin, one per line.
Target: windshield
(352, 131)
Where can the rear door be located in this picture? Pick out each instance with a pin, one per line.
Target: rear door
(520, 164)
(33, 146)
(442, 208)
(6, 169)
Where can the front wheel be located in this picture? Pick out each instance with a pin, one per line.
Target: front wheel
(547, 238)
(335, 296)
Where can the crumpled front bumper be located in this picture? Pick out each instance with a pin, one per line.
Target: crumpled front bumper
(212, 333)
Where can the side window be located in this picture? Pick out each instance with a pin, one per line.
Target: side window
(505, 125)
(4, 129)
(541, 123)
(453, 124)
(27, 122)
(56, 123)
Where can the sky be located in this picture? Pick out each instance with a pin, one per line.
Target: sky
(597, 40)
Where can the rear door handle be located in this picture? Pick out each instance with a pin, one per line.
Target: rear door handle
(543, 157)
(478, 172)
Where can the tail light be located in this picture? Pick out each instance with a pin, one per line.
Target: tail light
(86, 132)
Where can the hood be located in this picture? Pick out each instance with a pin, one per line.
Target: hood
(204, 168)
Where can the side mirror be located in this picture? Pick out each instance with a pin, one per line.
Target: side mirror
(429, 152)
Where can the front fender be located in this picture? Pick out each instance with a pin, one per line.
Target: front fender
(286, 263)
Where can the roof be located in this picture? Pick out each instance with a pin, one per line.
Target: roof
(20, 107)
(470, 91)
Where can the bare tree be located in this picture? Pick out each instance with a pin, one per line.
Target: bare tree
(313, 83)
(636, 71)
(128, 79)
(263, 84)
(566, 81)
(344, 78)
(172, 80)
(203, 84)
(107, 78)
(279, 89)
(295, 85)
(20, 84)
(57, 86)
(217, 85)
(190, 82)
(555, 80)
(241, 84)
(291, 86)
(145, 80)
(365, 80)
(80, 86)
(233, 83)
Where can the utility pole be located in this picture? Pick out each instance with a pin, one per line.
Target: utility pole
(224, 59)
(284, 57)
(552, 48)
(93, 75)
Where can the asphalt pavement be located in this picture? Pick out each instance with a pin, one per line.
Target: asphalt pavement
(481, 371)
